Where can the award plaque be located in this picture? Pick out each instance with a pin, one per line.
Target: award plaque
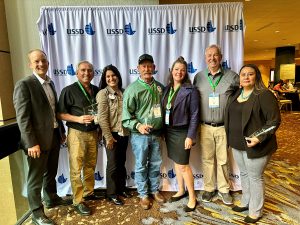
(91, 109)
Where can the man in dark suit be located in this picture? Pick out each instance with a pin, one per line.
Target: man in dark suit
(35, 103)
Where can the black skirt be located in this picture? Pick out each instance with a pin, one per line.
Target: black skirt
(175, 138)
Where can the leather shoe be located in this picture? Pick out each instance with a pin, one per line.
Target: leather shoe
(175, 199)
(116, 200)
(57, 202)
(159, 197)
(126, 194)
(82, 209)
(239, 209)
(42, 220)
(92, 197)
(188, 209)
(145, 203)
(248, 219)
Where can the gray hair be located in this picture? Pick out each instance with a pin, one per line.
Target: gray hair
(82, 62)
(214, 46)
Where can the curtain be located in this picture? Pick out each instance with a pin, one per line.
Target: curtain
(118, 36)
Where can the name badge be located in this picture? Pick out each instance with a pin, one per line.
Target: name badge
(167, 117)
(156, 111)
(111, 96)
(214, 100)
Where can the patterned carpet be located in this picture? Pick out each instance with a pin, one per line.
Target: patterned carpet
(282, 196)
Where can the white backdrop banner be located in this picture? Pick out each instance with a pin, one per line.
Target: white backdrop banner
(118, 36)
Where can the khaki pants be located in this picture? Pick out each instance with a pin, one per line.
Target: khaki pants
(214, 158)
(83, 157)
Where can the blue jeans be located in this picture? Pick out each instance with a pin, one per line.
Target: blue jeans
(146, 150)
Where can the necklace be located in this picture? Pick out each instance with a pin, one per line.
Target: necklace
(245, 97)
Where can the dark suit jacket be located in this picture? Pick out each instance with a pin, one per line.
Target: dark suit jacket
(186, 108)
(260, 112)
(34, 113)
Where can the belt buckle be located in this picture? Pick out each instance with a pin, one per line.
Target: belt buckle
(214, 124)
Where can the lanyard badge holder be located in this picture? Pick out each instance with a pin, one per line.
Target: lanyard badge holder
(214, 98)
(169, 105)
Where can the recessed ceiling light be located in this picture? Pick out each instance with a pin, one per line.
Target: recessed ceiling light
(247, 0)
(255, 40)
(277, 31)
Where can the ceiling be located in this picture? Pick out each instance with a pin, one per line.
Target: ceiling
(269, 24)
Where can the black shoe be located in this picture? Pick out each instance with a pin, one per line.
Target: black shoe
(239, 209)
(57, 202)
(248, 219)
(42, 220)
(82, 209)
(92, 197)
(126, 194)
(116, 200)
(188, 209)
(175, 199)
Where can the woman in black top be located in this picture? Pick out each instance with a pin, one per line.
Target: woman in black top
(251, 119)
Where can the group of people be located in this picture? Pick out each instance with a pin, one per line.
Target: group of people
(222, 108)
(283, 86)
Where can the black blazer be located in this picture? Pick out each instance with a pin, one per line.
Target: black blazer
(34, 113)
(260, 112)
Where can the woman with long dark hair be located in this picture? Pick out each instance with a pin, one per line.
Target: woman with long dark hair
(251, 118)
(109, 99)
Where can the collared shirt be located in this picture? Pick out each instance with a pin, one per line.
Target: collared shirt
(74, 102)
(138, 102)
(50, 95)
(227, 84)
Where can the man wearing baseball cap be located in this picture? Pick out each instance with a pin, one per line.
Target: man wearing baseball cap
(142, 115)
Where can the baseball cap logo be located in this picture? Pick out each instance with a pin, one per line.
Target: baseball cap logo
(146, 57)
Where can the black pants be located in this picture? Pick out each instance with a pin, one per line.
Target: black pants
(41, 175)
(115, 170)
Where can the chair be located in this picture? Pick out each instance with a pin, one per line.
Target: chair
(284, 103)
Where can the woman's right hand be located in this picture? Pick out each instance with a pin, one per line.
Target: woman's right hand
(251, 142)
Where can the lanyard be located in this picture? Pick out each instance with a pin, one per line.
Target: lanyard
(171, 95)
(213, 85)
(84, 92)
(150, 88)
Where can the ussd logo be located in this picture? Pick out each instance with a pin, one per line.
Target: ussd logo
(88, 29)
(162, 30)
(119, 31)
(234, 27)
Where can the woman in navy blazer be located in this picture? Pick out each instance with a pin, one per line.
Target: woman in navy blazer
(181, 118)
(251, 118)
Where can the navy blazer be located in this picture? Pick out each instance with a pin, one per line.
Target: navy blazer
(34, 113)
(260, 112)
(185, 110)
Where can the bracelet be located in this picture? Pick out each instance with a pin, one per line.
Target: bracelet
(137, 126)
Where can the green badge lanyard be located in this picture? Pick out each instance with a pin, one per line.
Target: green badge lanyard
(171, 95)
(213, 85)
(150, 89)
(85, 94)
